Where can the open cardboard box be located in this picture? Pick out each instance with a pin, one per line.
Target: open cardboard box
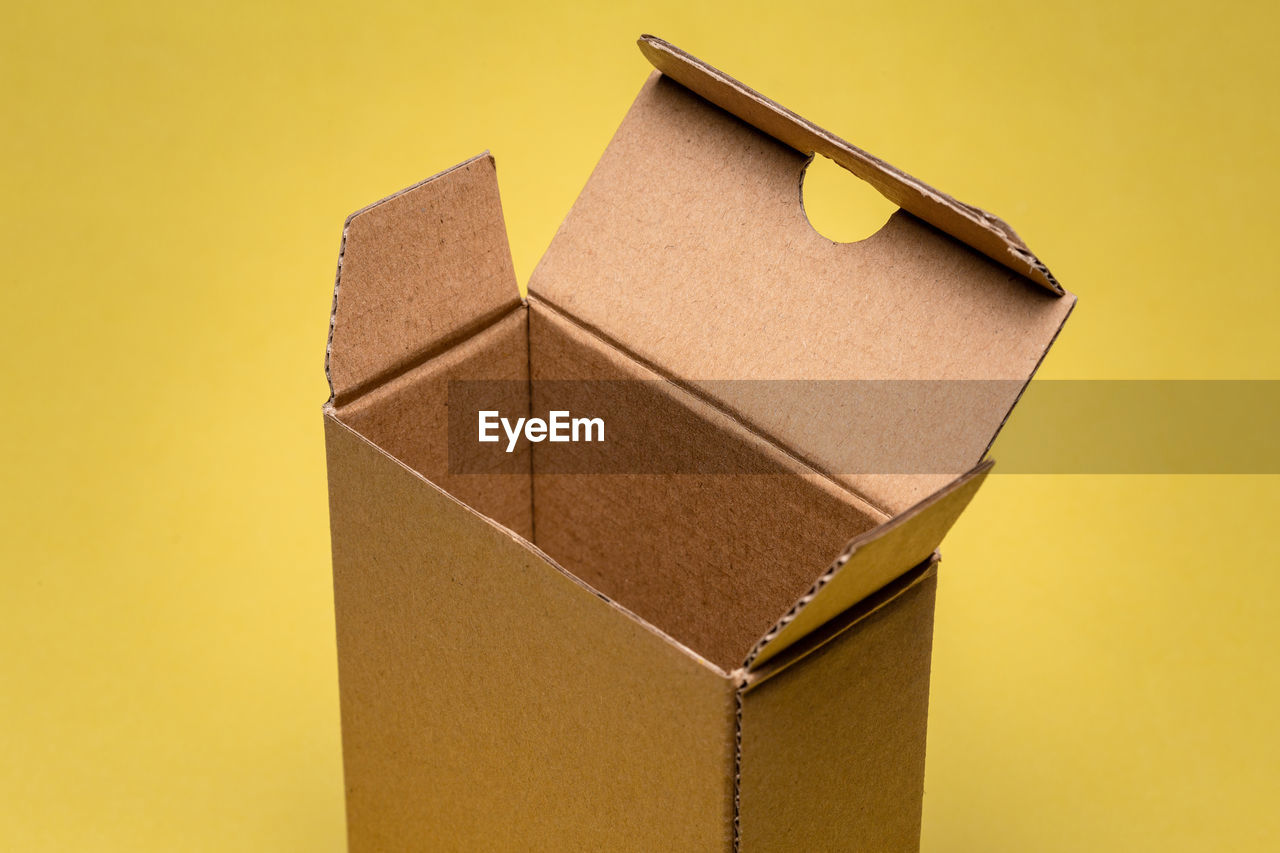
(538, 660)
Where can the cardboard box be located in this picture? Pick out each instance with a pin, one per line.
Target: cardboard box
(671, 660)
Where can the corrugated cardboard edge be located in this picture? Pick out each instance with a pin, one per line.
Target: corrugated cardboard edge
(942, 508)
(331, 414)
(983, 231)
(748, 679)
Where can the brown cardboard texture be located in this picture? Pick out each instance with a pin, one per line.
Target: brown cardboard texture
(536, 659)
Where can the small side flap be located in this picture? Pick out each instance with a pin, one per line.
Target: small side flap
(983, 231)
(869, 562)
(418, 271)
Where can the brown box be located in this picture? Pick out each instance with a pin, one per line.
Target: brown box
(535, 659)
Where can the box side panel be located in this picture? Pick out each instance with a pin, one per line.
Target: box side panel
(714, 559)
(689, 247)
(492, 702)
(418, 271)
(409, 417)
(833, 747)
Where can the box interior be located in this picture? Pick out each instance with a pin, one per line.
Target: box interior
(712, 560)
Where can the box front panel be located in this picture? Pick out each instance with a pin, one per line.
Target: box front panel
(492, 702)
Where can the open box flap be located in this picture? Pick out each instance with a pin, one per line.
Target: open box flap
(418, 271)
(689, 249)
(985, 232)
(869, 563)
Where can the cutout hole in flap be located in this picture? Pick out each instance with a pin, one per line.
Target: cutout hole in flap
(839, 205)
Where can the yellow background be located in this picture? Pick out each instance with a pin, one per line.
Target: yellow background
(175, 180)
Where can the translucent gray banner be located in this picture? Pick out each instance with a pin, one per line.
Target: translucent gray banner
(865, 427)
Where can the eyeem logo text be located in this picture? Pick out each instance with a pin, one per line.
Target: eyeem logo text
(559, 426)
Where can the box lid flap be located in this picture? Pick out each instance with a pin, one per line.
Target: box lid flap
(985, 232)
(418, 271)
(869, 562)
(689, 249)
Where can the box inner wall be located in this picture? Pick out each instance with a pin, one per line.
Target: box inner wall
(712, 559)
